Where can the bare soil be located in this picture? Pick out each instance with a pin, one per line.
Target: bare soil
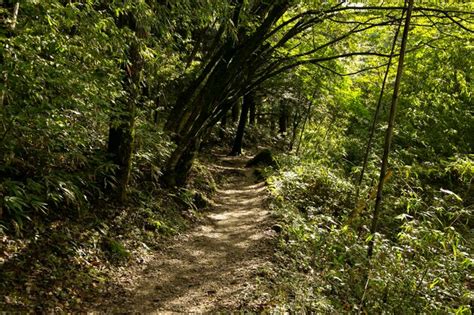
(214, 266)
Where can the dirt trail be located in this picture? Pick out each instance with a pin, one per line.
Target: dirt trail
(212, 267)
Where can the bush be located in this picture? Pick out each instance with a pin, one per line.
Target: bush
(421, 265)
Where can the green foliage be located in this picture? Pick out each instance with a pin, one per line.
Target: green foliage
(202, 179)
(115, 249)
(313, 188)
(422, 265)
(152, 147)
(423, 260)
(67, 78)
(62, 81)
(57, 88)
(158, 226)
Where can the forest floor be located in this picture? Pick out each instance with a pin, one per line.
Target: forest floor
(214, 266)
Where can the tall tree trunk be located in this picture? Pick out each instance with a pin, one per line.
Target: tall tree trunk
(249, 99)
(121, 131)
(389, 131)
(307, 117)
(283, 120)
(16, 7)
(252, 112)
(294, 130)
(224, 79)
(180, 163)
(358, 207)
(122, 126)
(236, 111)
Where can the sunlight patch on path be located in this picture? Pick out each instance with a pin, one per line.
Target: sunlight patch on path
(214, 266)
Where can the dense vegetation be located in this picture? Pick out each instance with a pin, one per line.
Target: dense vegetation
(105, 106)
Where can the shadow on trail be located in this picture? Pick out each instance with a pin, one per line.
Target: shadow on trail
(212, 266)
(48, 274)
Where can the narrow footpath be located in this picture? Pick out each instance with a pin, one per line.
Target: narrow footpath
(214, 266)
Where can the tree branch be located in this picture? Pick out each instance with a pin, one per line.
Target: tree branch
(458, 23)
(351, 73)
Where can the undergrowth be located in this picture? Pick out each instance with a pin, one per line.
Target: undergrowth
(423, 260)
(61, 263)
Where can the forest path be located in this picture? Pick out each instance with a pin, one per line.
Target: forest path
(212, 267)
